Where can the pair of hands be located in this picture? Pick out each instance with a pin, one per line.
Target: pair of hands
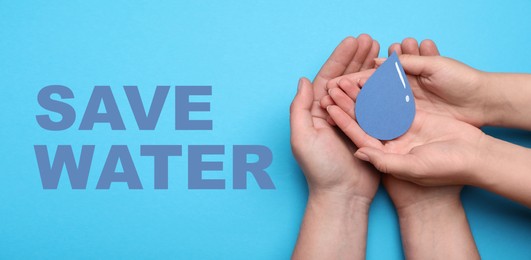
(423, 170)
(326, 154)
(342, 185)
(444, 145)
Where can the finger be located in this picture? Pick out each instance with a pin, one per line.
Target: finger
(428, 48)
(410, 46)
(373, 53)
(354, 77)
(350, 88)
(419, 65)
(335, 65)
(399, 165)
(362, 82)
(395, 47)
(330, 121)
(318, 113)
(351, 128)
(300, 116)
(364, 46)
(342, 101)
(326, 101)
(333, 83)
(379, 61)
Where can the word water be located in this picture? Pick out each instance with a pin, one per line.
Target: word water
(385, 106)
(119, 156)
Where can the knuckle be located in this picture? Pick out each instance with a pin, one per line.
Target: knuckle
(292, 107)
(331, 84)
(381, 166)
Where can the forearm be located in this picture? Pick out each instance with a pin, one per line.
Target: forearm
(504, 168)
(509, 104)
(437, 230)
(333, 228)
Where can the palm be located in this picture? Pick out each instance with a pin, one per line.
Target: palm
(434, 139)
(420, 136)
(336, 167)
(323, 152)
(429, 100)
(428, 128)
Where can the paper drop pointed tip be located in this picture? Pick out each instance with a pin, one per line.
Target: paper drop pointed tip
(385, 106)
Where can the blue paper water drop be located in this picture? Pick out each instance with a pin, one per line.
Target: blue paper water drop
(385, 106)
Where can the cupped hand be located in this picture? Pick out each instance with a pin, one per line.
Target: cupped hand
(434, 140)
(441, 85)
(324, 153)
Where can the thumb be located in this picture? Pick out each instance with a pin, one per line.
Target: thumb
(378, 62)
(300, 115)
(419, 65)
(401, 165)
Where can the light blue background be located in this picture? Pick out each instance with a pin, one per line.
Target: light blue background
(252, 53)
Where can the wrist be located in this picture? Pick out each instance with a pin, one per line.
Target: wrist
(496, 106)
(429, 208)
(340, 202)
(437, 228)
(503, 168)
(485, 167)
(334, 227)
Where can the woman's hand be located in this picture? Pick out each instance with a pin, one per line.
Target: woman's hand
(417, 206)
(324, 154)
(341, 187)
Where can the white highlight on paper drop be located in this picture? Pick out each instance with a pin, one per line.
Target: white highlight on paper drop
(400, 74)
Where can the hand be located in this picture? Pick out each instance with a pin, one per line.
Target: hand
(436, 143)
(447, 87)
(442, 85)
(439, 150)
(324, 154)
(341, 186)
(416, 205)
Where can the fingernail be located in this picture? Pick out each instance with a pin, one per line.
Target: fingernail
(299, 86)
(338, 83)
(361, 83)
(329, 90)
(328, 107)
(362, 156)
(379, 60)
